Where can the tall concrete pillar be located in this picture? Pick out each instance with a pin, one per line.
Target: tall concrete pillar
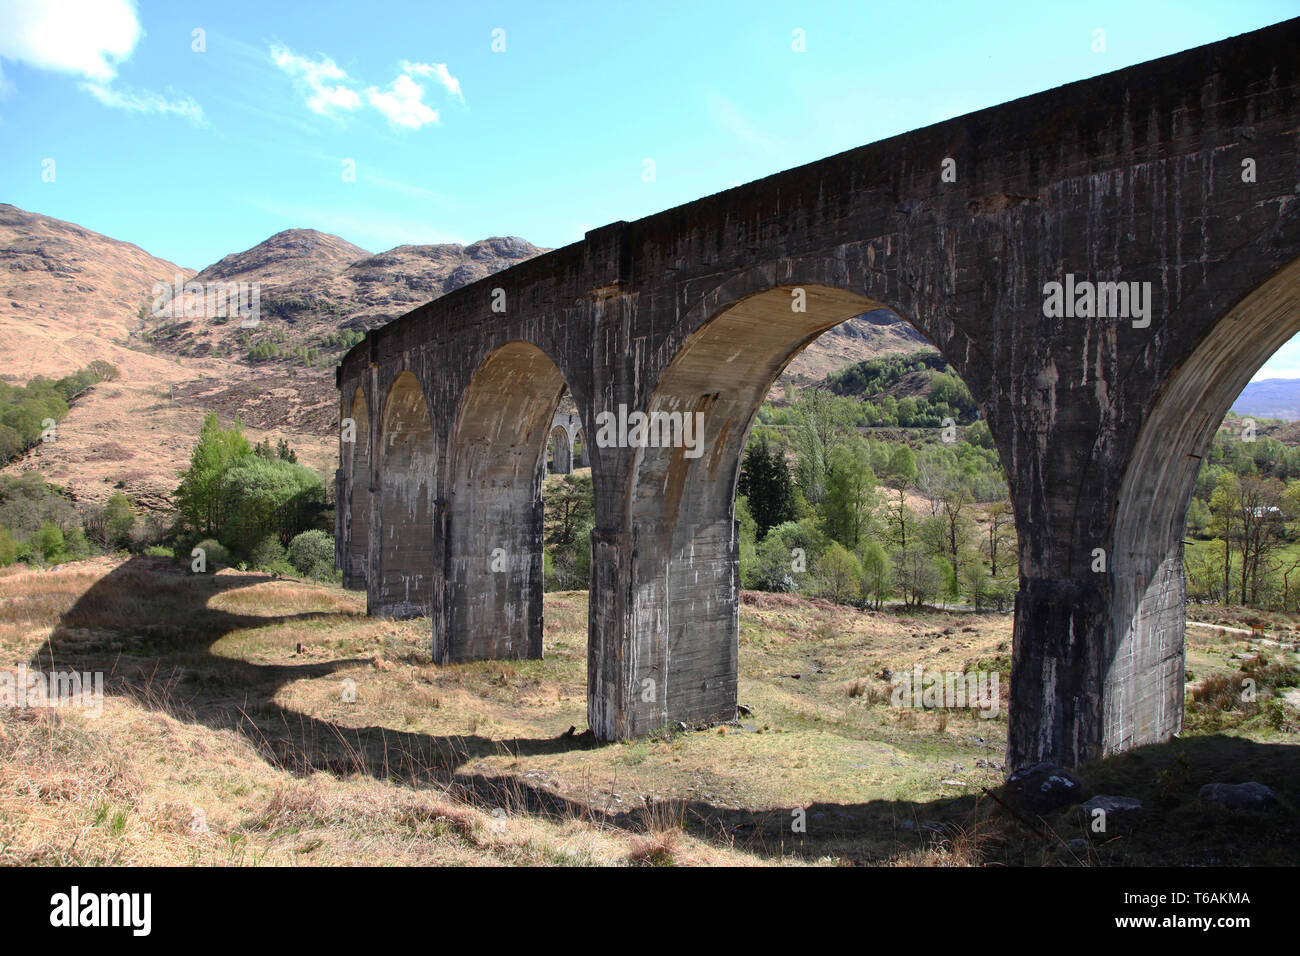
(663, 638)
(494, 559)
(664, 626)
(353, 502)
(562, 443)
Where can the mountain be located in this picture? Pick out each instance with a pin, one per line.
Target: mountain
(1270, 398)
(288, 257)
(318, 294)
(69, 295)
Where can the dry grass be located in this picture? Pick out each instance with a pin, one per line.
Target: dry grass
(226, 738)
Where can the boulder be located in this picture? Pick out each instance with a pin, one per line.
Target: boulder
(1238, 796)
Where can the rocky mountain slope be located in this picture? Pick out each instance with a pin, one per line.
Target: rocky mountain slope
(69, 295)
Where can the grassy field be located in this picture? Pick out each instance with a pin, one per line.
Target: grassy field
(230, 735)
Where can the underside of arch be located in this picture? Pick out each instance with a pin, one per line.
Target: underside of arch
(407, 481)
(682, 501)
(495, 564)
(1143, 686)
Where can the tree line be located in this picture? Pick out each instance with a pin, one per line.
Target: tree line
(27, 411)
(826, 510)
(245, 505)
(1243, 523)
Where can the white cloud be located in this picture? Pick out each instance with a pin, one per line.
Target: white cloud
(327, 87)
(90, 38)
(403, 103)
(145, 101)
(87, 37)
(439, 72)
(321, 80)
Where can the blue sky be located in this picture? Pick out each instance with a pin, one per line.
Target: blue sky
(192, 155)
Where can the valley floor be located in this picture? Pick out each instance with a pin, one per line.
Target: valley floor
(257, 721)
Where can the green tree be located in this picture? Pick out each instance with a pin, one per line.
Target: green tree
(201, 499)
(49, 541)
(119, 520)
(899, 475)
(975, 581)
(312, 553)
(268, 497)
(877, 575)
(569, 511)
(848, 506)
(765, 482)
(839, 574)
(820, 422)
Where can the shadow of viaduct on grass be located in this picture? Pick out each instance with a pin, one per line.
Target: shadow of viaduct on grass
(150, 626)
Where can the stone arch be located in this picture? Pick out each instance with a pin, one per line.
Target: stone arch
(1142, 687)
(406, 479)
(682, 500)
(357, 473)
(560, 451)
(497, 466)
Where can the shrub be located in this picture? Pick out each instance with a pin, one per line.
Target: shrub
(324, 571)
(215, 553)
(266, 552)
(49, 541)
(310, 550)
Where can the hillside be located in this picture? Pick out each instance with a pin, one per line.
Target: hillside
(68, 295)
(71, 295)
(1270, 398)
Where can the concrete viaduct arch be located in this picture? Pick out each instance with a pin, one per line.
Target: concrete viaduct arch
(1139, 176)
(565, 429)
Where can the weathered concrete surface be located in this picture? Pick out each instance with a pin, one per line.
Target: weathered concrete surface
(353, 525)
(1136, 176)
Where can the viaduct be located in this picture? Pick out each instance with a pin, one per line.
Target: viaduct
(1179, 178)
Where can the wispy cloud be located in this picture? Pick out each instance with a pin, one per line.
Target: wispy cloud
(145, 101)
(729, 116)
(406, 189)
(327, 88)
(322, 82)
(402, 104)
(87, 38)
(439, 72)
